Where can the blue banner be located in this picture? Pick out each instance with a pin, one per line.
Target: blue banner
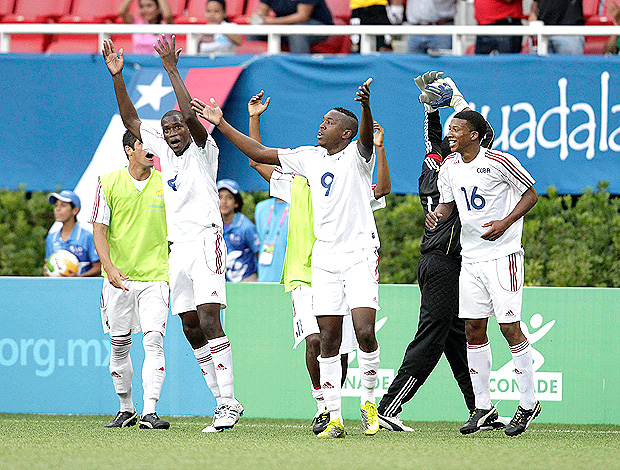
(558, 115)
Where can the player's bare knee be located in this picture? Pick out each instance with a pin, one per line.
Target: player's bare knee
(313, 343)
(366, 338)
(512, 332)
(475, 333)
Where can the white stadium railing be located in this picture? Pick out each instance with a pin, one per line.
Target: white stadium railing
(274, 33)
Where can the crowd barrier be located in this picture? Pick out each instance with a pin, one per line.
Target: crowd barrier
(54, 357)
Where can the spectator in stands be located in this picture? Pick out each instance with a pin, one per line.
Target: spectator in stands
(151, 12)
(498, 12)
(215, 11)
(612, 46)
(271, 216)
(430, 12)
(242, 241)
(309, 12)
(376, 12)
(560, 13)
(71, 236)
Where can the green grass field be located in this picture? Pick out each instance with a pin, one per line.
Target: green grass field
(80, 442)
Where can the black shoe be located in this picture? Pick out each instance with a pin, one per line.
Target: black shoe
(152, 421)
(320, 422)
(393, 423)
(522, 420)
(479, 418)
(123, 419)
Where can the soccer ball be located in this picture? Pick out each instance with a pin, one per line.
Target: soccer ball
(62, 263)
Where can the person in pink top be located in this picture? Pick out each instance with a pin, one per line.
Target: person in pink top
(151, 12)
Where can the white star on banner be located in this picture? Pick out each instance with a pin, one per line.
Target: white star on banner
(153, 93)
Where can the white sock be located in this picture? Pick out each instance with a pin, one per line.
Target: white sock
(222, 360)
(369, 369)
(524, 370)
(479, 359)
(205, 361)
(331, 374)
(121, 370)
(317, 394)
(153, 369)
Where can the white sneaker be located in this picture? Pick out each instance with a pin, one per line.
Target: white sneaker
(393, 423)
(226, 416)
(210, 428)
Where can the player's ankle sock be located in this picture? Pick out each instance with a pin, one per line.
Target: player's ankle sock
(479, 360)
(205, 360)
(524, 370)
(222, 360)
(317, 394)
(121, 370)
(153, 369)
(369, 368)
(331, 374)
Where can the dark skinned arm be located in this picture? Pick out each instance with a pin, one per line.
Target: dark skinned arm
(128, 112)
(364, 142)
(256, 107)
(169, 58)
(498, 227)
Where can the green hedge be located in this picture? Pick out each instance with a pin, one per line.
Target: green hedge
(569, 241)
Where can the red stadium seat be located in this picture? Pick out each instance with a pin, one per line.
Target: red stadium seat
(6, 7)
(34, 11)
(125, 42)
(252, 47)
(87, 11)
(29, 43)
(74, 43)
(590, 8)
(340, 9)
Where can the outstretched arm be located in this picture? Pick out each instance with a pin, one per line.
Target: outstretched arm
(364, 142)
(169, 58)
(124, 12)
(253, 149)
(498, 227)
(256, 107)
(166, 11)
(115, 63)
(384, 182)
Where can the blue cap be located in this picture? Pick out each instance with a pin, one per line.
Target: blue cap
(231, 185)
(65, 196)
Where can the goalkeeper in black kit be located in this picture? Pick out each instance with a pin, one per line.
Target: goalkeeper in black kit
(440, 330)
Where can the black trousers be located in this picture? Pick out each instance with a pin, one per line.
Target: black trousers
(440, 331)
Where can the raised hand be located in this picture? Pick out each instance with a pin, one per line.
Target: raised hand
(256, 107)
(377, 138)
(363, 93)
(213, 114)
(449, 94)
(169, 56)
(113, 61)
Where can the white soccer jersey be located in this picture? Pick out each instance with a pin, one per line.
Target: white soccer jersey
(281, 186)
(339, 183)
(190, 191)
(487, 188)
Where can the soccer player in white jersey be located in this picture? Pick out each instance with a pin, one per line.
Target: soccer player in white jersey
(129, 228)
(345, 255)
(189, 159)
(296, 275)
(492, 192)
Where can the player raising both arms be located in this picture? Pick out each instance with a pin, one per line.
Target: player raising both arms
(296, 275)
(189, 159)
(345, 254)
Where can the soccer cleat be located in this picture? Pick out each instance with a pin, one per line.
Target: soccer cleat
(393, 423)
(210, 428)
(152, 421)
(370, 420)
(479, 419)
(522, 420)
(320, 421)
(500, 423)
(334, 430)
(227, 415)
(123, 419)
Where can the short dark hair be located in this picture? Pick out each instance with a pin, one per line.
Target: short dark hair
(221, 2)
(129, 140)
(350, 122)
(173, 113)
(475, 120)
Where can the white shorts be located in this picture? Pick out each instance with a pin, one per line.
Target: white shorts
(143, 308)
(344, 281)
(197, 272)
(305, 324)
(491, 288)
